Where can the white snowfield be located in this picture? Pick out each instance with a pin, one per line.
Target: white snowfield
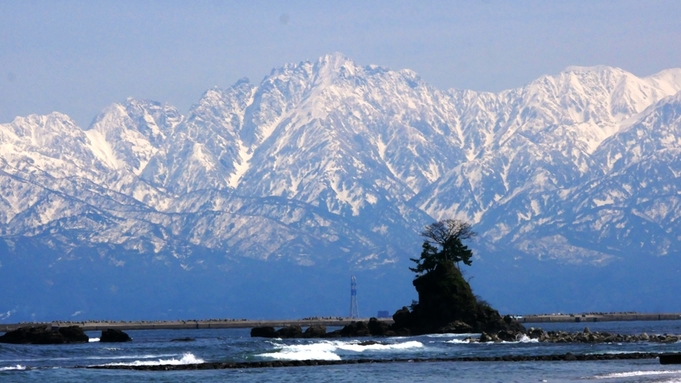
(356, 160)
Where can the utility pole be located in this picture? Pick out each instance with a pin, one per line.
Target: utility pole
(354, 311)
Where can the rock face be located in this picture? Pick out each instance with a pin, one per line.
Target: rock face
(293, 331)
(44, 335)
(315, 331)
(447, 304)
(374, 327)
(113, 335)
(588, 336)
(263, 332)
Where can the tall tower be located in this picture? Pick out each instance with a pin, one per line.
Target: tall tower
(354, 311)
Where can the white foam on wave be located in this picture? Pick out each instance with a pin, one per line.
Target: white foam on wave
(613, 352)
(328, 350)
(92, 340)
(451, 335)
(526, 339)
(315, 351)
(356, 347)
(18, 367)
(150, 356)
(630, 374)
(187, 358)
(458, 341)
(523, 339)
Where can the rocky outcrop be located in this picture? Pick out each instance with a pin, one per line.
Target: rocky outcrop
(113, 335)
(263, 332)
(447, 305)
(587, 336)
(374, 327)
(293, 331)
(43, 334)
(379, 328)
(315, 331)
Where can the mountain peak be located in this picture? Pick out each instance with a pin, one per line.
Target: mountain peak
(334, 59)
(328, 138)
(592, 68)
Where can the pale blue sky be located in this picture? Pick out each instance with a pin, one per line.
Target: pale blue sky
(77, 57)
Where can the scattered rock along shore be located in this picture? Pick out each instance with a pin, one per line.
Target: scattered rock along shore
(569, 357)
(587, 336)
(43, 334)
(377, 328)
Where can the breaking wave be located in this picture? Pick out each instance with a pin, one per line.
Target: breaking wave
(331, 350)
(92, 340)
(526, 339)
(630, 374)
(187, 358)
(18, 367)
(452, 335)
(523, 339)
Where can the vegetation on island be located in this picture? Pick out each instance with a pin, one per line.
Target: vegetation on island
(443, 244)
(446, 301)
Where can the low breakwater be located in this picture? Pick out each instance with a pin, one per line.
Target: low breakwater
(187, 324)
(597, 317)
(568, 357)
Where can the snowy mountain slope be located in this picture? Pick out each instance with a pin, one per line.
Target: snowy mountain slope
(52, 144)
(636, 204)
(554, 127)
(128, 135)
(328, 161)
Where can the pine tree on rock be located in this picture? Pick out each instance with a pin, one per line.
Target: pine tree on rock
(443, 244)
(446, 300)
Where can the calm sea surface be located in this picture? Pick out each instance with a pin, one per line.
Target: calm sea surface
(59, 363)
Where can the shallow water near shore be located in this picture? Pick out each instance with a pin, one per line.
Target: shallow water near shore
(61, 363)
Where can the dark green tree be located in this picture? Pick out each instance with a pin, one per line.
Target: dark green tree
(443, 244)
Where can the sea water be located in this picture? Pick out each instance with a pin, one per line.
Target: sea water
(63, 363)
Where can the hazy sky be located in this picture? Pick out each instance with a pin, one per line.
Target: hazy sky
(77, 57)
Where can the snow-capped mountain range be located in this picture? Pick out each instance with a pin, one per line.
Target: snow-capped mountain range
(327, 159)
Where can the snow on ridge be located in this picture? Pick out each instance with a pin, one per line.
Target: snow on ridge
(509, 161)
(102, 149)
(241, 165)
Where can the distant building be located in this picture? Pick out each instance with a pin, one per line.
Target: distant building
(383, 314)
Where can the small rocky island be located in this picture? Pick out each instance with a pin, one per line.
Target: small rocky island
(447, 304)
(44, 334)
(446, 301)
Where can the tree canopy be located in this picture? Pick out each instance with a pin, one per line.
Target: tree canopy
(443, 243)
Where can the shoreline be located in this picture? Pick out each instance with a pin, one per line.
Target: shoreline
(337, 322)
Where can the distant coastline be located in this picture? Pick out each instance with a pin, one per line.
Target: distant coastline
(97, 325)
(245, 323)
(597, 317)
